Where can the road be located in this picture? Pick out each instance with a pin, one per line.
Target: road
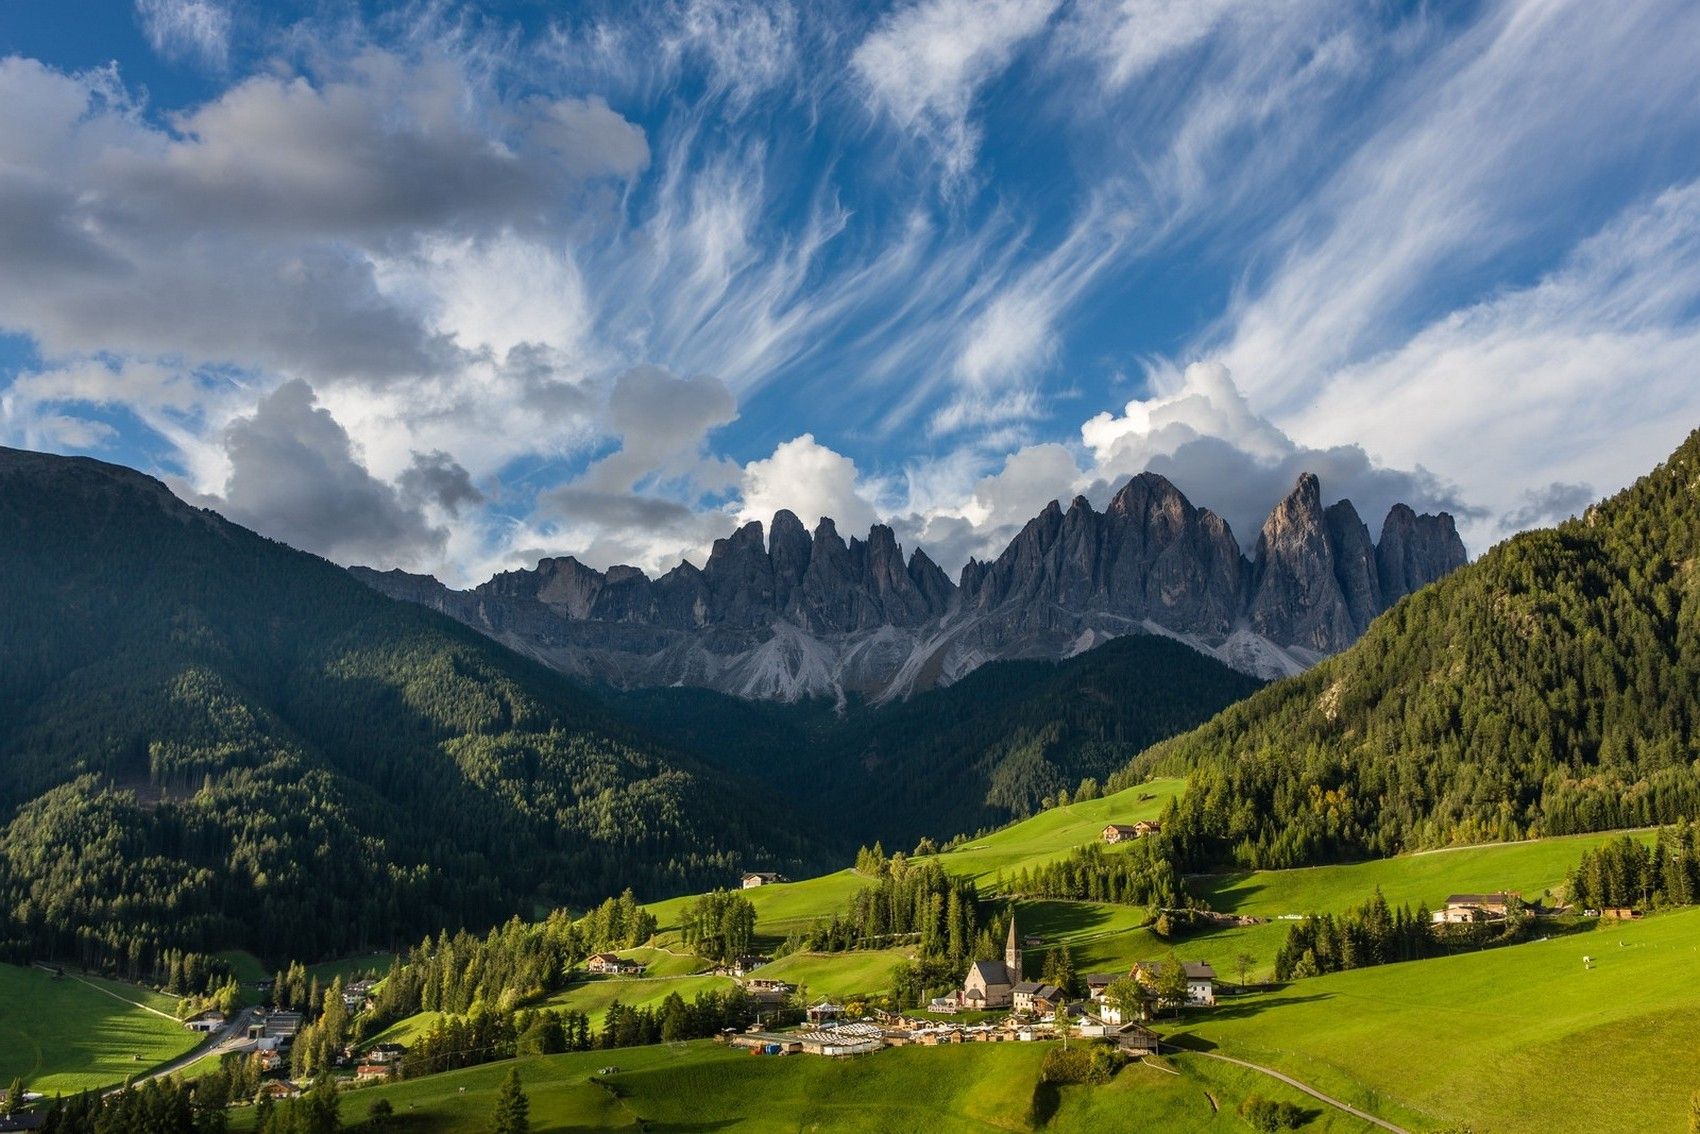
(232, 1037)
(1298, 1086)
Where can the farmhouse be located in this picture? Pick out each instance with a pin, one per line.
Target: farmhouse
(991, 984)
(1200, 981)
(1116, 832)
(612, 964)
(755, 878)
(1620, 913)
(209, 1021)
(769, 984)
(742, 966)
(385, 1053)
(367, 1072)
(1465, 908)
(1031, 998)
(355, 996)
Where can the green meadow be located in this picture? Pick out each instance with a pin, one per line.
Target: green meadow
(1525, 1038)
(951, 1090)
(63, 1036)
(1530, 868)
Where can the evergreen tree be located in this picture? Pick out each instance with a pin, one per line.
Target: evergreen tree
(513, 1109)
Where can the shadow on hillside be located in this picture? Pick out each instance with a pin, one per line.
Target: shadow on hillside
(1225, 892)
(1053, 919)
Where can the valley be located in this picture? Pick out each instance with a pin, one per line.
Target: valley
(1487, 1028)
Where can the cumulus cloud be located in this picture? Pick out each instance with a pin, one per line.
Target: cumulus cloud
(809, 479)
(1205, 437)
(187, 29)
(266, 229)
(643, 504)
(294, 475)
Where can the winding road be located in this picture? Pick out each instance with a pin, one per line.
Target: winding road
(1298, 1086)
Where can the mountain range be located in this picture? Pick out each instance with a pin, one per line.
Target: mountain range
(798, 616)
(212, 740)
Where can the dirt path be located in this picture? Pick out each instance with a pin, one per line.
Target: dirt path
(1298, 1086)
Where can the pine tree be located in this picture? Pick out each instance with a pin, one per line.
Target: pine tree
(513, 1109)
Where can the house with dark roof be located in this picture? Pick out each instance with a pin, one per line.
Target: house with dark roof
(1032, 998)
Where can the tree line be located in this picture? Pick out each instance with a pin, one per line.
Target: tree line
(1628, 872)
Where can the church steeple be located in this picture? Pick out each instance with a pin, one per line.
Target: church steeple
(1012, 953)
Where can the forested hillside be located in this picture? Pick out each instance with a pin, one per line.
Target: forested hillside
(993, 747)
(211, 740)
(1551, 687)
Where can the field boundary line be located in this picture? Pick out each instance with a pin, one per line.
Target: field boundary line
(1306, 1088)
(125, 999)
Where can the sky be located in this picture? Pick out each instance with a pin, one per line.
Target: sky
(450, 287)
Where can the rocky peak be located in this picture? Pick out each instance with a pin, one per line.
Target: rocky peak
(1354, 563)
(1415, 551)
(789, 547)
(774, 617)
(1295, 595)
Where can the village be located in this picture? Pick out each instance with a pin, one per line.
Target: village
(998, 1000)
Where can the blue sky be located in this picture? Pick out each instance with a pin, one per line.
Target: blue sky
(450, 287)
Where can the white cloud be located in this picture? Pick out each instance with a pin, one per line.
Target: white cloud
(1130, 37)
(809, 479)
(188, 29)
(925, 65)
(1476, 161)
(1586, 375)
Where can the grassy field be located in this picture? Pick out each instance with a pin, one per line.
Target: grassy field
(1517, 1039)
(64, 1036)
(593, 995)
(950, 1090)
(1043, 838)
(250, 970)
(839, 975)
(1532, 868)
(1521, 1039)
(1050, 835)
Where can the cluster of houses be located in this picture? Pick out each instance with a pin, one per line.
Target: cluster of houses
(991, 985)
(742, 966)
(838, 1038)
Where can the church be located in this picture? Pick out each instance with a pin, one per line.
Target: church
(991, 984)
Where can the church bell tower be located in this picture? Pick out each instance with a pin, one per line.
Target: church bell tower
(1012, 953)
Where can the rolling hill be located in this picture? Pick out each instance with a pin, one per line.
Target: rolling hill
(213, 741)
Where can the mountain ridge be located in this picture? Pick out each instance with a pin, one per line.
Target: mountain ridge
(213, 740)
(797, 615)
